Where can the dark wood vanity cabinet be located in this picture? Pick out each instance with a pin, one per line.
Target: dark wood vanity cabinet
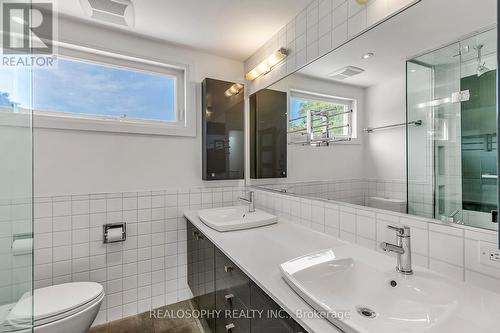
(201, 272)
(230, 289)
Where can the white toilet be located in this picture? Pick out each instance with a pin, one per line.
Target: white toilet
(395, 205)
(62, 308)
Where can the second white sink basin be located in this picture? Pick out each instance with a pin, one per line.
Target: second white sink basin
(372, 297)
(235, 218)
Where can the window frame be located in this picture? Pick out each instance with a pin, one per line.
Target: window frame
(185, 124)
(350, 102)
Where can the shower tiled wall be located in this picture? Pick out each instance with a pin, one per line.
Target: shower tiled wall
(450, 249)
(146, 271)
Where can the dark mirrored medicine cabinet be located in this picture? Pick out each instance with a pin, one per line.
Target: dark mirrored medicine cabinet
(268, 134)
(223, 130)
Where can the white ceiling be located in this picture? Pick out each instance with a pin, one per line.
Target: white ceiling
(231, 28)
(405, 36)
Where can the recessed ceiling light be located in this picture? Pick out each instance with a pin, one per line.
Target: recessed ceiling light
(413, 70)
(367, 55)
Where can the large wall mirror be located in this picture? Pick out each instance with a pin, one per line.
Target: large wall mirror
(401, 118)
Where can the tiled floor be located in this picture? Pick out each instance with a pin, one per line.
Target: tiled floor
(142, 323)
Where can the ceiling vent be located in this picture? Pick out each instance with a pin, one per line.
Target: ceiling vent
(346, 72)
(119, 12)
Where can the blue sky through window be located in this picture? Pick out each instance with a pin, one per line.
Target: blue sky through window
(295, 104)
(91, 89)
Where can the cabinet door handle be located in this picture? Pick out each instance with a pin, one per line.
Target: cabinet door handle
(230, 328)
(228, 268)
(229, 298)
(197, 235)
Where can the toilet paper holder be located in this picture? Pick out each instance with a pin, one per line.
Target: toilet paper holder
(111, 226)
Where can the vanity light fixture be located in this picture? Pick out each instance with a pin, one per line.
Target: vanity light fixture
(367, 55)
(268, 64)
(234, 90)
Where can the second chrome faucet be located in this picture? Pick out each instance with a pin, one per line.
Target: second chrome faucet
(250, 201)
(402, 248)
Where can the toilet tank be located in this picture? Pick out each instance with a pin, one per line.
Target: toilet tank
(395, 205)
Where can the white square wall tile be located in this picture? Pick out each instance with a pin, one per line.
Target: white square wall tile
(97, 205)
(300, 27)
(347, 236)
(446, 248)
(420, 241)
(325, 43)
(365, 242)
(114, 204)
(357, 23)
(332, 218)
(325, 25)
(312, 15)
(354, 7)
(339, 35)
(325, 7)
(340, 15)
(61, 208)
(366, 227)
(449, 270)
(80, 207)
(312, 51)
(337, 3)
(312, 34)
(347, 222)
(376, 11)
(42, 209)
(482, 280)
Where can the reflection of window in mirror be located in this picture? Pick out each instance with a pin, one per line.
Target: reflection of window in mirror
(338, 120)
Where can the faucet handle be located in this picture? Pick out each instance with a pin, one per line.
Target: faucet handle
(402, 231)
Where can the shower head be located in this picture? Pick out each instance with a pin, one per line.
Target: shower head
(481, 66)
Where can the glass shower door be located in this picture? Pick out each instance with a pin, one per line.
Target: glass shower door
(447, 134)
(16, 203)
(452, 157)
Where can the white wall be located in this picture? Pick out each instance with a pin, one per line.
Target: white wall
(339, 161)
(73, 162)
(385, 151)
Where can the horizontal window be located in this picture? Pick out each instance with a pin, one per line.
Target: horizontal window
(79, 88)
(87, 90)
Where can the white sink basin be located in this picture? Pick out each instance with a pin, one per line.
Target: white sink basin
(235, 218)
(375, 298)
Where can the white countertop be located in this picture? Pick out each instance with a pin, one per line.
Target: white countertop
(259, 252)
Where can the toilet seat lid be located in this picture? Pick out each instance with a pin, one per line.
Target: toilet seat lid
(54, 300)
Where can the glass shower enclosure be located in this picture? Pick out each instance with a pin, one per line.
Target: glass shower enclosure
(452, 157)
(16, 199)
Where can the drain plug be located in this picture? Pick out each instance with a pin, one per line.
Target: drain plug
(366, 312)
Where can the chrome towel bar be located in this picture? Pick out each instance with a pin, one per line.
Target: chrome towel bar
(372, 129)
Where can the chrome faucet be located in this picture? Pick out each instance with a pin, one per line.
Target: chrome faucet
(402, 249)
(452, 218)
(250, 201)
